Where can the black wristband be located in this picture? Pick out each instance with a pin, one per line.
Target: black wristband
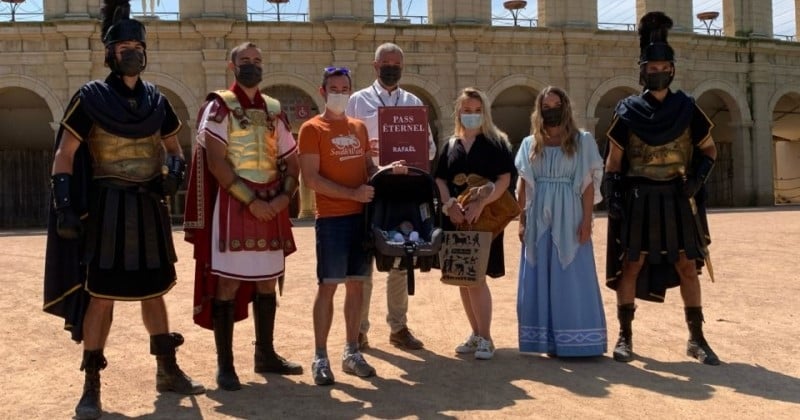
(177, 168)
(60, 187)
(703, 168)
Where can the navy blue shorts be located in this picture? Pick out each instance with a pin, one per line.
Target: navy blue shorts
(341, 252)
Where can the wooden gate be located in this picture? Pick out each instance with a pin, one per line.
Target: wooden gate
(24, 188)
(720, 186)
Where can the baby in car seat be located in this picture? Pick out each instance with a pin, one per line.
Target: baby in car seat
(403, 232)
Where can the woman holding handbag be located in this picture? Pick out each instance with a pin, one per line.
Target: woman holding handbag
(559, 307)
(474, 170)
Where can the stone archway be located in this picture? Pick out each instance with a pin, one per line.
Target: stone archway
(186, 138)
(295, 102)
(786, 144)
(727, 186)
(50, 98)
(512, 99)
(511, 112)
(434, 120)
(428, 92)
(601, 107)
(26, 156)
(300, 84)
(299, 107)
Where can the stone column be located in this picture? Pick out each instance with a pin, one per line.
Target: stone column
(72, 9)
(322, 10)
(215, 53)
(679, 10)
(465, 65)
(743, 182)
(232, 9)
(215, 66)
(78, 55)
(797, 20)
(567, 13)
(761, 89)
(54, 9)
(747, 18)
(577, 57)
(463, 11)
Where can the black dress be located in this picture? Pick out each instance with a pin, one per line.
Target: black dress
(487, 158)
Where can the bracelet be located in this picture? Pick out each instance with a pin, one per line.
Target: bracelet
(240, 191)
(446, 206)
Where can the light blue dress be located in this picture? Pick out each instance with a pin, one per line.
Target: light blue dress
(559, 307)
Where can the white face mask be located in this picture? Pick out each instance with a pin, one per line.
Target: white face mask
(471, 121)
(337, 102)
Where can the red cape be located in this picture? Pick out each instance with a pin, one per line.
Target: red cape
(201, 194)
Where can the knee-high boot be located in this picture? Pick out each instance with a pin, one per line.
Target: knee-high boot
(623, 351)
(266, 360)
(170, 377)
(223, 312)
(89, 407)
(697, 346)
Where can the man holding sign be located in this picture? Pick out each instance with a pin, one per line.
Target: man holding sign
(365, 105)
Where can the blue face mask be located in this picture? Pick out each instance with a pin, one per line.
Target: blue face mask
(471, 121)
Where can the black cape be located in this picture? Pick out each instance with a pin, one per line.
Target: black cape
(656, 123)
(108, 104)
(64, 270)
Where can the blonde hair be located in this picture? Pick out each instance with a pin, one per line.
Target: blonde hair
(569, 145)
(487, 125)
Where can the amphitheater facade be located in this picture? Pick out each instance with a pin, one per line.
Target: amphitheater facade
(747, 82)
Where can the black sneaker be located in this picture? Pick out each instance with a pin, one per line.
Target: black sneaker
(321, 370)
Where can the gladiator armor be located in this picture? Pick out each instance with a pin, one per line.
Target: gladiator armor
(129, 159)
(659, 163)
(252, 139)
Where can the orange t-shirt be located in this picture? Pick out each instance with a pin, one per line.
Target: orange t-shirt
(342, 146)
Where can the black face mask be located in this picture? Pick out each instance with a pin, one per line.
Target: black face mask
(657, 81)
(131, 62)
(390, 75)
(552, 117)
(249, 75)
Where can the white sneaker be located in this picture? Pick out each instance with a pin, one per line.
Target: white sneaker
(485, 349)
(469, 345)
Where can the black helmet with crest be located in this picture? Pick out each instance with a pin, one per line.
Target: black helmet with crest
(119, 27)
(117, 24)
(653, 30)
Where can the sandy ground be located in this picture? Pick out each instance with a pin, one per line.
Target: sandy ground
(751, 321)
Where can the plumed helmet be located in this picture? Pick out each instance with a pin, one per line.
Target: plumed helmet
(117, 24)
(653, 30)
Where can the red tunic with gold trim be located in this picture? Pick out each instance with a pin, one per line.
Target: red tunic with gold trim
(228, 240)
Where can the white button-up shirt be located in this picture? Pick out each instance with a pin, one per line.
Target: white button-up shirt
(364, 105)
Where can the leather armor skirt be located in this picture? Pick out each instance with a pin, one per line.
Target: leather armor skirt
(129, 250)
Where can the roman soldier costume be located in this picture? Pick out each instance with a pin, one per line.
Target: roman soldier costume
(657, 201)
(255, 153)
(109, 234)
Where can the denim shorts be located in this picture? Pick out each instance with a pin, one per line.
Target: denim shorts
(341, 251)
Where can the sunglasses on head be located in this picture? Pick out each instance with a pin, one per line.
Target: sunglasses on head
(331, 70)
